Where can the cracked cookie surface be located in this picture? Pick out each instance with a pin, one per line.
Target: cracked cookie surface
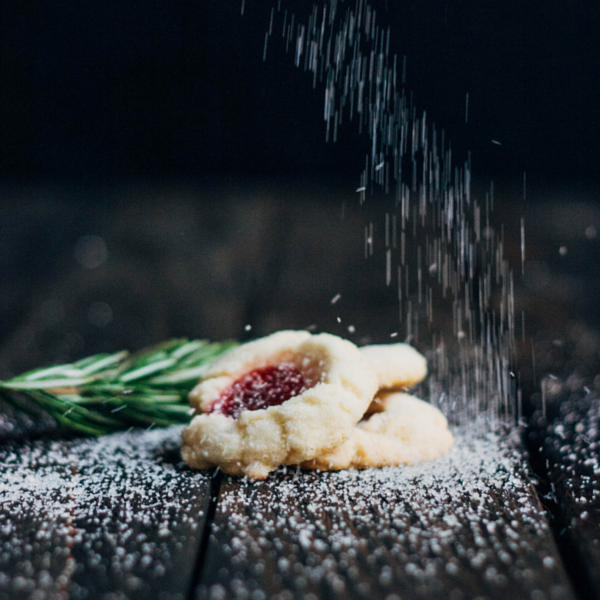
(405, 431)
(282, 399)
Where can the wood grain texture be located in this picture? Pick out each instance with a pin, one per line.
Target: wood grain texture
(466, 526)
(567, 452)
(118, 517)
(121, 519)
(35, 521)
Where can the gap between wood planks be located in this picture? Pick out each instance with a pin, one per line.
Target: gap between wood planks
(465, 526)
(564, 451)
(567, 547)
(215, 489)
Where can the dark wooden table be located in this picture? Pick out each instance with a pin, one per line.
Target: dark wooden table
(87, 270)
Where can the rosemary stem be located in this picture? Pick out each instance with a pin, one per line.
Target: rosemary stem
(103, 393)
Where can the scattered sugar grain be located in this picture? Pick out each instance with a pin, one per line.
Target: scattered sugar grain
(571, 445)
(416, 527)
(98, 500)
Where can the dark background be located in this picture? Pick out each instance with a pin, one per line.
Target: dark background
(158, 179)
(96, 90)
(158, 128)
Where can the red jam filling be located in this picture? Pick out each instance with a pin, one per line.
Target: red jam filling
(261, 388)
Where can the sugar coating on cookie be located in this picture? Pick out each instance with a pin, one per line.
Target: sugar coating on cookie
(407, 431)
(282, 399)
(398, 366)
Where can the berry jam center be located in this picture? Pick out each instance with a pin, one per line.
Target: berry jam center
(261, 388)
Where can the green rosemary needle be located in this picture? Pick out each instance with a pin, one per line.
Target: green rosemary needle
(104, 393)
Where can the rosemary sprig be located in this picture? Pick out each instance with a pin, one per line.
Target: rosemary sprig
(108, 392)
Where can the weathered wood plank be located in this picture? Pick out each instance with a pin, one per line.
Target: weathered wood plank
(118, 517)
(567, 453)
(466, 526)
(35, 528)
